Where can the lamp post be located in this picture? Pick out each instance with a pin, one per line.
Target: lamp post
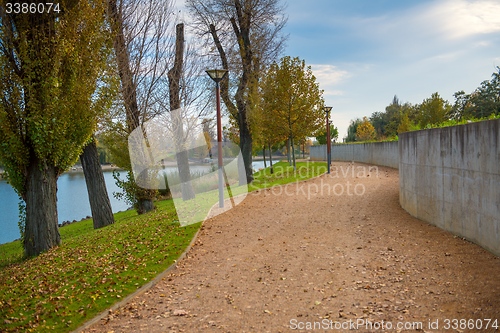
(327, 110)
(217, 75)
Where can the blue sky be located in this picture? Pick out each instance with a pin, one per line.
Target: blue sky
(365, 52)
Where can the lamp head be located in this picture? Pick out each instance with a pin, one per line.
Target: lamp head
(216, 74)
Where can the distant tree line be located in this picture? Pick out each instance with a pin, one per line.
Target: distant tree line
(398, 117)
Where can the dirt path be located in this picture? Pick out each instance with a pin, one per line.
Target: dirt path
(283, 262)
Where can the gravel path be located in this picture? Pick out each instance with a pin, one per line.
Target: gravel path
(296, 258)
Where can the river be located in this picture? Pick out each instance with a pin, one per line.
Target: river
(72, 200)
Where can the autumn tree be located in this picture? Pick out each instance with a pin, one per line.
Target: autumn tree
(264, 136)
(433, 110)
(291, 96)
(247, 36)
(50, 65)
(365, 131)
(405, 124)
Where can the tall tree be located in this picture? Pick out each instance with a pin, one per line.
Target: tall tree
(247, 36)
(174, 79)
(292, 96)
(50, 64)
(140, 42)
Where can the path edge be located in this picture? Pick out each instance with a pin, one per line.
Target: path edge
(141, 290)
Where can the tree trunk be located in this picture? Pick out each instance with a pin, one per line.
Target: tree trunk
(128, 84)
(271, 158)
(264, 155)
(242, 33)
(246, 151)
(238, 111)
(102, 214)
(144, 206)
(41, 229)
(288, 153)
(293, 153)
(174, 78)
(123, 62)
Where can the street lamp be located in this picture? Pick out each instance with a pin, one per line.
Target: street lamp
(217, 75)
(327, 110)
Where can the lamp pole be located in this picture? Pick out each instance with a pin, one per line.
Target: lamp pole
(327, 110)
(217, 75)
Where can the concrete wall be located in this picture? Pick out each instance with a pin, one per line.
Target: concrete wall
(379, 153)
(450, 177)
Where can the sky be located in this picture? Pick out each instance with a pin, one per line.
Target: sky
(363, 52)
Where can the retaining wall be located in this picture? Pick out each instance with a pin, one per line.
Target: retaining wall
(377, 153)
(450, 177)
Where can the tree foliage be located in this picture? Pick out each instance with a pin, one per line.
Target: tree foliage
(351, 130)
(321, 134)
(54, 85)
(433, 110)
(365, 131)
(292, 100)
(387, 123)
(481, 103)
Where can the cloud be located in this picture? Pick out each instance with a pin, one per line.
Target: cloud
(460, 19)
(427, 28)
(329, 76)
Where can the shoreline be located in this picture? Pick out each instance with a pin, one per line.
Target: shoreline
(75, 169)
(112, 167)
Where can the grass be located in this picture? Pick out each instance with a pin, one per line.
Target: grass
(93, 269)
(284, 174)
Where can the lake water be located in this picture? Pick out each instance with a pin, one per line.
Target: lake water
(72, 200)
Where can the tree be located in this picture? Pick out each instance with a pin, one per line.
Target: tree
(405, 124)
(481, 103)
(365, 131)
(174, 79)
(291, 96)
(140, 42)
(50, 65)
(247, 36)
(433, 110)
(351, 130)
(321, 134)
(387, 123)
(379, 121)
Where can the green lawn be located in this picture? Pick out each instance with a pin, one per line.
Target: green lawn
(284, 174)
(93, 269)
